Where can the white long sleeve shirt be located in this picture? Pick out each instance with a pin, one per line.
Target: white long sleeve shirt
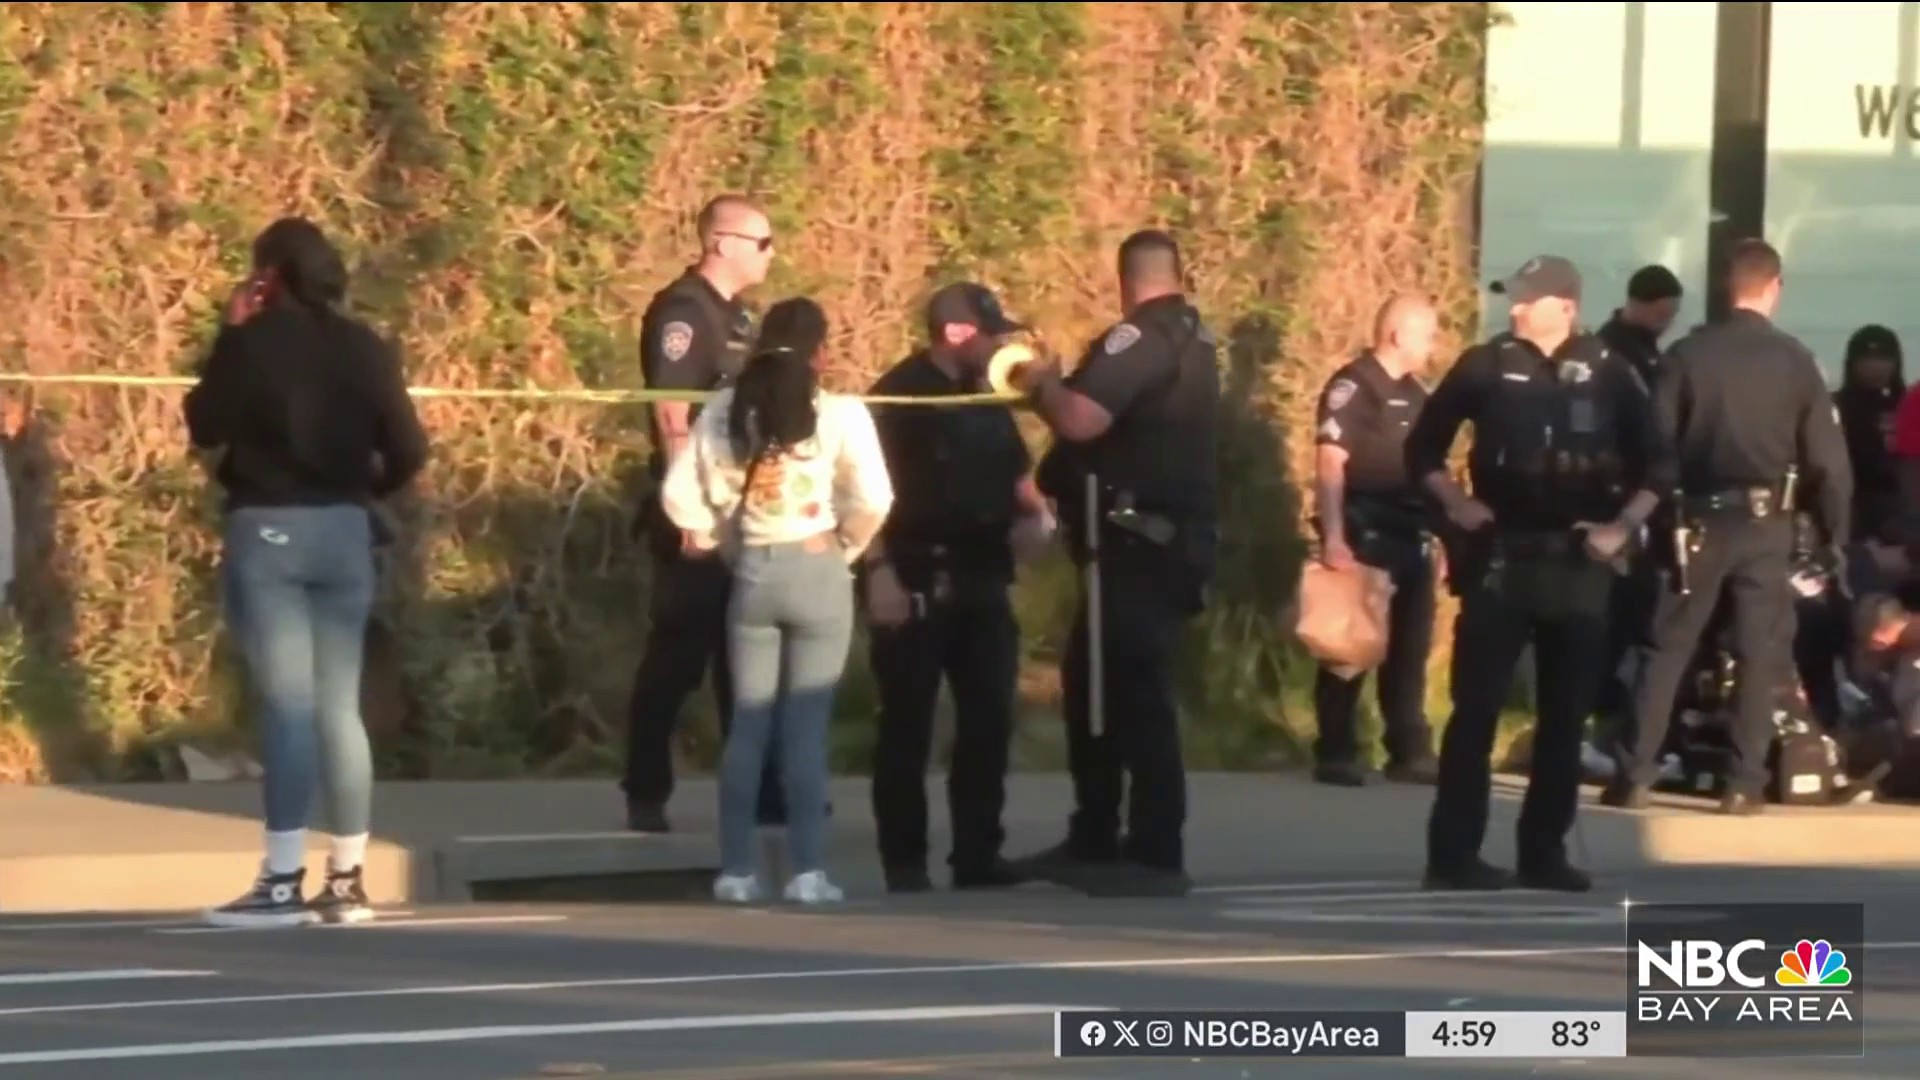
(836, 482)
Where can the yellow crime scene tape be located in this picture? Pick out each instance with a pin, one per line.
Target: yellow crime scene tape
(998, 371)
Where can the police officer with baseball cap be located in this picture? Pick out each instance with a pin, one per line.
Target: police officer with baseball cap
(694, 336)
(1565, 467)
(936, 587)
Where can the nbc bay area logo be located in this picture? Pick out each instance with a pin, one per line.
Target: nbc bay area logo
(1693, 979)
(1736, 980)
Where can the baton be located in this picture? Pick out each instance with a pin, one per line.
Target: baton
(1096, 661)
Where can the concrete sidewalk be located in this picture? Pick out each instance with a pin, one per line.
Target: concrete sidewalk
(167, 847)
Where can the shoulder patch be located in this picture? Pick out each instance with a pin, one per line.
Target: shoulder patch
(1120, 338)
(675, 339)
(1340, 393)
(1836, 414)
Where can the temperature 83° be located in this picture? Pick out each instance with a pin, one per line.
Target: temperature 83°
(1573, 1034)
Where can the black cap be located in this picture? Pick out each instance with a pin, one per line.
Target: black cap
(1540, 277)
(1873, 340)
(1653, 283)
(969, 304)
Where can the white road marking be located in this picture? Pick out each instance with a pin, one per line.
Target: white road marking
(380, 924)
(1439, 915)
(1298, 886)
(524, 1031)
(42, 978)
(1140, 964)
(1148, 963)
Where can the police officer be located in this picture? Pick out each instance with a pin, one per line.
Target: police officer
(1634, 331)
(1139, 416)
(1370, 512)
(694, 336)
(936, 584)
(1741, 402)
(1564, 468)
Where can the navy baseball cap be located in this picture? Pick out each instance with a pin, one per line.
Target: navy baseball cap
(970, 304)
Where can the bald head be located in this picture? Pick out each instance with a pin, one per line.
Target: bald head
(1404, 331)
(736, 243)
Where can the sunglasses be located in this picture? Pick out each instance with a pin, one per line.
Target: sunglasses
(761, 243)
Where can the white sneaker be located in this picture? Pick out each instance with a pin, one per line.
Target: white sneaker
(813, 887)
(736, 888)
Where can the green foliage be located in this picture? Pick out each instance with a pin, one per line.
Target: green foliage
(512, 181)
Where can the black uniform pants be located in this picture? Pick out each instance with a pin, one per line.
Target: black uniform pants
(1749, 561)
(1401, 681)
(973, 642)
(1558, 604)
(1146, 598)
(687, 639)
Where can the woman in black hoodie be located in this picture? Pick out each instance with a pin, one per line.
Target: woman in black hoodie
(1872, 381)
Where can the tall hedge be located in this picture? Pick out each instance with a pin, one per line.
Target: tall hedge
(512, 182)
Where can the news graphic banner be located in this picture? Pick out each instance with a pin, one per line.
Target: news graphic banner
(1746, 980)
(1454, 1034)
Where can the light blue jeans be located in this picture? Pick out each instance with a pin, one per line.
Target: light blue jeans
(299, 584)
(789, 626)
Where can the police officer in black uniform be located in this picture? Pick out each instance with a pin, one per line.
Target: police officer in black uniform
(1634, 331)
(1369, 511)
(1741, 402)
(1565, 467)
(1139, 416)
(935, 583)
(694, 336)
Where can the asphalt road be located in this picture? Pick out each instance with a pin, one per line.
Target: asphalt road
(939, 985)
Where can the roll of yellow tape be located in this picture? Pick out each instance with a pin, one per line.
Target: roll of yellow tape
(1008, 359)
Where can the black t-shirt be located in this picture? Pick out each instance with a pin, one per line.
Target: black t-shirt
(954, 469)
(1367, 412)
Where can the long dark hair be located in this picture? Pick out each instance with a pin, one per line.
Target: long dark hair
(773, 397)
(308, 266)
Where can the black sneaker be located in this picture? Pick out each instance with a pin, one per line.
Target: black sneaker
(343, 900)
(1554, 877)
(908, 879)
(276, 900)
(995, 874)
(1474, 875)
(647, 816)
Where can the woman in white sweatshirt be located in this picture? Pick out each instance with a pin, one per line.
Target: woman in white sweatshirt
(789, 482)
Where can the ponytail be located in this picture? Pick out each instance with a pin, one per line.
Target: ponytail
(773, 408)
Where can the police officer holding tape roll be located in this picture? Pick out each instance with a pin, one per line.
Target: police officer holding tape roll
(1136, 426)
(1745, 408)
(1369, 511)
(1565, 468)
(694, 336)
(935, 584)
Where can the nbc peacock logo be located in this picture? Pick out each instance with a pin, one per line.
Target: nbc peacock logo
(1813, 963)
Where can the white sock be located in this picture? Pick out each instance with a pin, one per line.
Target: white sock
(286, 851)
(349, 852)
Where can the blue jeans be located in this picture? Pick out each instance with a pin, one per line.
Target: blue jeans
(299, 584)
(789, 627)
